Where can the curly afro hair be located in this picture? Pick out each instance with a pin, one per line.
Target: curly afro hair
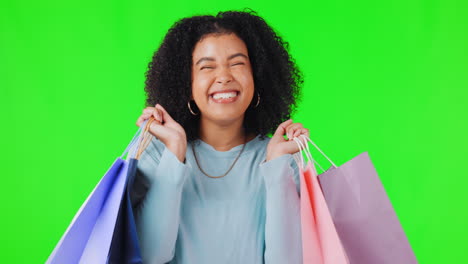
(277, 78)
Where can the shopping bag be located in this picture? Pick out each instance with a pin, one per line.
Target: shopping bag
(125, 245)
(364, 218)
(320, 241)
(94, 222)
(89, 236)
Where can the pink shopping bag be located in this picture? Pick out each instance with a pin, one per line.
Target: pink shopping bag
(320, 241)
(364, 218)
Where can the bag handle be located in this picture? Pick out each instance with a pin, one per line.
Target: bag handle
(145, 138)
(305, 147)
(140, 140)
(300, 160)
(307, 138)
(131, 144)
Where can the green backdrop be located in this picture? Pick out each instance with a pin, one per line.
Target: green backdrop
(387, 77)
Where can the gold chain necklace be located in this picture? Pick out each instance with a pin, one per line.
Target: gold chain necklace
(196, 159)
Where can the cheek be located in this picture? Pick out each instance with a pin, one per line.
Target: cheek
(246, 79)
(200, 86)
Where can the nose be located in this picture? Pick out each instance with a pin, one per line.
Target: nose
(224, 76)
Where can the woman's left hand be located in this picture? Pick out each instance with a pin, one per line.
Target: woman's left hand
(279, 146)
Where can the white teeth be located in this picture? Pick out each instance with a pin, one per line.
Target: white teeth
(224, 95)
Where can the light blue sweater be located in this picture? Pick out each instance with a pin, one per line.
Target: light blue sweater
(250, 216)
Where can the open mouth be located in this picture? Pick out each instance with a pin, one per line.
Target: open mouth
(224, 97)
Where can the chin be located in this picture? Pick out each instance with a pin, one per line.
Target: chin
(225, 117)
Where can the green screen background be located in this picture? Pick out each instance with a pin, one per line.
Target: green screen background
(387, 77)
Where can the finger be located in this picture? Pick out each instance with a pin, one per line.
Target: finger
(291, 129)
(165, 115)
(160, 131)
(154, 127)
(148, 110)
(304, 132)
(292, 126)
(157, 115)
(139, 121)
(296, 133)
(145, 116)
(280, 131)
(299, 131)
(291, 147)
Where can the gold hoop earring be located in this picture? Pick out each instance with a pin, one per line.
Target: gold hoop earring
(190, 109)
(258, 100)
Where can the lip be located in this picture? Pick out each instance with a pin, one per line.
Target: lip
(225, 100)
(224, 91)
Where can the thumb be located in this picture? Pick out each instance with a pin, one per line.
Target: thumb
(281, 130)
(165, 116)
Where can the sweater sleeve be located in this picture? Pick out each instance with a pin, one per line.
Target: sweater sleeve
(157, 214)
(283, 241)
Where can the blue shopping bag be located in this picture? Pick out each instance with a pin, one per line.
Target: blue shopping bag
(103, 230)
(125, 247)
(90, 232)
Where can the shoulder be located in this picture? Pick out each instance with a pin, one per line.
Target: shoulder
(261, 142)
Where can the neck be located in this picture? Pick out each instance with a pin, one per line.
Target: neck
(223, 137)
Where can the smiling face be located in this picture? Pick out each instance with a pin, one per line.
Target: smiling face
(222, 80)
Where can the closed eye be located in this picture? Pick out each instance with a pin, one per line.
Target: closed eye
(240, 63)
(206, 67)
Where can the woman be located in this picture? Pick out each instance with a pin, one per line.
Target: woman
(211, 187)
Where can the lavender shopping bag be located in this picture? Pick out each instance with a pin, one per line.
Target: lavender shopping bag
(88, 238)
(364, 218)
(125, 248)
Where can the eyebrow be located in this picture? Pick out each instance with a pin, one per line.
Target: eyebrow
(230, 57)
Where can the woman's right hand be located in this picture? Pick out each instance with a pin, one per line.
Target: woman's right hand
(167, 130)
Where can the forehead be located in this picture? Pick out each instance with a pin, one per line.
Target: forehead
(219, 46)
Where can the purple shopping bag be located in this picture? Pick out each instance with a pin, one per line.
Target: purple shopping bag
(89, 237)
(90, 233)
(363, 215)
